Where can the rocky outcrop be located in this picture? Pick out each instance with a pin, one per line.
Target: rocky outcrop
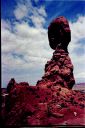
(11, 84)
(34, 106)
(58, 71)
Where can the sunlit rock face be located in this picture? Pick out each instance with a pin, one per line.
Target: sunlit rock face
(59, 70)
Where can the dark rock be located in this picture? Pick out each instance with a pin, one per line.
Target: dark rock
(59, 33)
(11, 84)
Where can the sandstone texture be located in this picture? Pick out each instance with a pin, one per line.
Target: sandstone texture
(58, 71)
(34, 106)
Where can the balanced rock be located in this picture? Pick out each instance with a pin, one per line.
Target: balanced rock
(59, 70)
(59, 33)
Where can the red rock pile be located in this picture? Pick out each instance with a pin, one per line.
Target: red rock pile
(33, 106)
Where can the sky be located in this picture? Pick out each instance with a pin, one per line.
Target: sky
(24, 37)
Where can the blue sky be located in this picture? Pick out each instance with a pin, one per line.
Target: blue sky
(25, 47)
(71, 9)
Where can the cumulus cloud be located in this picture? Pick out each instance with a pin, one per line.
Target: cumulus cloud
(24, 42)
(33, 14)
(77, 32)
(21, 11)
(25, 50)
(77, 43)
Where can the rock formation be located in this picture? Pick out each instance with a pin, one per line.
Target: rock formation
(59, 33)
(33, 106)
(10, 84)
(52, 101)
(59, 70)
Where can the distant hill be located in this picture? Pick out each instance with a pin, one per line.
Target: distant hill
(79, 86)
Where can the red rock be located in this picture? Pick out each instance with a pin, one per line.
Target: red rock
(59, 32)
(32, 121)
(58, 71)
(47, 108)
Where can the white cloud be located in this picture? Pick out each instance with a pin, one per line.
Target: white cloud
(24, 42)
(38, 21)
(5, 24)
(31, 43)
(81, 75)
(21, 11)
(42, 11)
(77, 34)
(36, 15)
